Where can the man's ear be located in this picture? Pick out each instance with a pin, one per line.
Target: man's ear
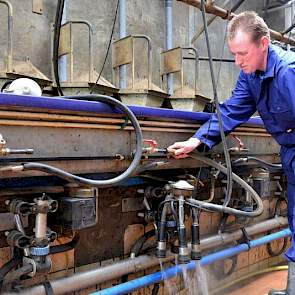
(264, 42)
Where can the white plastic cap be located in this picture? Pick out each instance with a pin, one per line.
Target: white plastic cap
(25, 86)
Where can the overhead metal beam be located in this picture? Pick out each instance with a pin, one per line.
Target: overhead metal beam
(210, 21)
(226, 14)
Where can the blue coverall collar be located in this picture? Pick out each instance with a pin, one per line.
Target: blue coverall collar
(270, 67)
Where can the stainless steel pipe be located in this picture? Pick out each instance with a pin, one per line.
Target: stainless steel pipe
(89, 278)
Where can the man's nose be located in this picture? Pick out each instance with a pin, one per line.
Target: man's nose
(238, 60)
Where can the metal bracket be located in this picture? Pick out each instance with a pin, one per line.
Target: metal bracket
(172, 62)
(123, 54)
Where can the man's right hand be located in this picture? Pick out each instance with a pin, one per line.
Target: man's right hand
(180, 150)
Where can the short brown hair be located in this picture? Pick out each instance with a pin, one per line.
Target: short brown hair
(248, 22)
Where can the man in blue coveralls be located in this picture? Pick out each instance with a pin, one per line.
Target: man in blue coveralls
(266, 83)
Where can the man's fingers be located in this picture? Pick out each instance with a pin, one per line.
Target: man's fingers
(171, 149)
(175, 151)
(182, 156)
(176, 145)
(179, 151)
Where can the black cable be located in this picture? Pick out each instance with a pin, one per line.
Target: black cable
(226, 153)
(57, 27)
(108, 48)
(213, 108)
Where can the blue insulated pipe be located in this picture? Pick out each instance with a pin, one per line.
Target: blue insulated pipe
(178, 269)
(61, 103)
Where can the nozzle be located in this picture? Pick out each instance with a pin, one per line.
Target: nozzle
(8, 151)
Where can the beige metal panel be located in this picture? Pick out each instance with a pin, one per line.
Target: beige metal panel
(65, 40)
(172, 61)
(37, 6)
(123, 51)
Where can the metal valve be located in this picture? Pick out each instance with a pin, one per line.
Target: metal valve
(4, 151)
(152, 147)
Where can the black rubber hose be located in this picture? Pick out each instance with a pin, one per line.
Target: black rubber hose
(221, 208)
(174, 212)
(159, 209)
(24, 270)
(137, 247)
(57, 26)
(8, 266)
(65, 247)
(260, 161)
(156, 288)
(229, 185)
(222, 223)
(6, 84)
(267, 164)
(99, 183)
(276, 252)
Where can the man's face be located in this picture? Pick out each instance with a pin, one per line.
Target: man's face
(249, 56)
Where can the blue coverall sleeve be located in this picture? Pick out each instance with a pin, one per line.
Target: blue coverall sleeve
(234, 111)
(287, 91)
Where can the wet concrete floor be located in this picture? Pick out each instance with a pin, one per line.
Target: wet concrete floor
(260, 285)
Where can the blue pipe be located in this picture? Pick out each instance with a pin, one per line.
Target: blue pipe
(63, 60)
(122, 34)
(60, 103)
(169, 39)
(178, 269)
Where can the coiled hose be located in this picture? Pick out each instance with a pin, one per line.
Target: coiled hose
(221, 208)
(98, 183)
